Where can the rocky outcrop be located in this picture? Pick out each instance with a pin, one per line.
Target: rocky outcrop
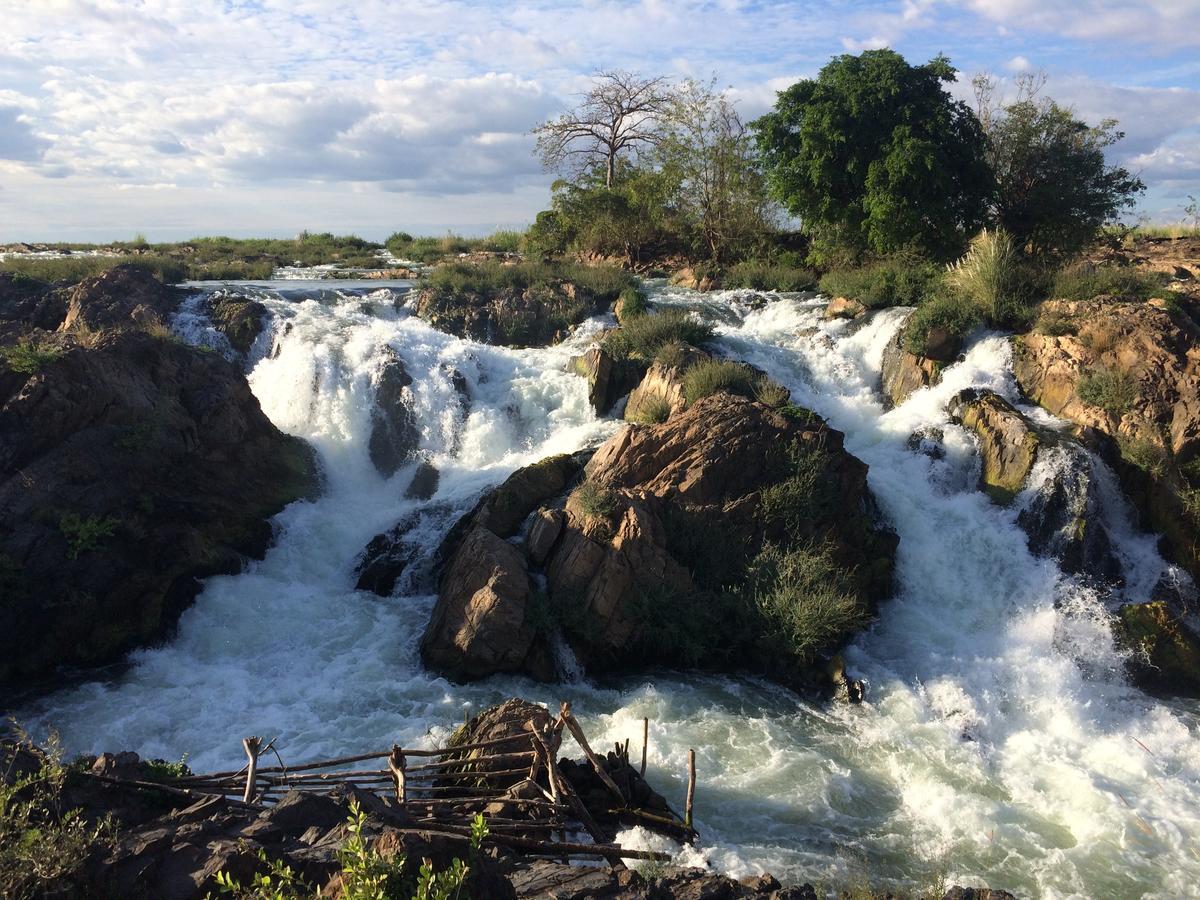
(1164, 648)
(1008, 444)
(661, 389)
(239, 319)
(130, 466)
(844, 308)
(28, 306)
(535, 316)
(904, 373)
(1149, 415)
(669, 516)
(608, 379)
(395, 436)
(688, 277)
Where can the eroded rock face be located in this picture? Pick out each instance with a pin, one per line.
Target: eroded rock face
(533, 317)
(608, 379)
(129, 468)
(844, 308)
(395, 436)
(662, 385)
(904, 373)
(660, 502)
(1164, 648)
(1008, 443)
(1154, 355)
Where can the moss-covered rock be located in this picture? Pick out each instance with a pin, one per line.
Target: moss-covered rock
(1008, 443)
(1165, 652)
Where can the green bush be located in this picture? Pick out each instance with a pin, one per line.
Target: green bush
(43, 846)
(885, 283)
(84, 535)
(803, 496)
(595, 500)
(73, 269)
(1114, 392)
(670, 355)
(605, 283)
(713, 376)
(805, 597)
(29, 358)
(770, 393)
(1086, 281)
(989, 276)
(1150, 457)
(643, 336)
(957, 316)
(650, 411)
(630, 304)
(503, 241)
(761, 275)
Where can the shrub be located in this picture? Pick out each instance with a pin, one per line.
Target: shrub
(29, 358)
(988, 276)
(73, 269)
(643, 336)
(1144, 454)
(161, 770)
(805, 597)
(1113, 391)
(804, 495)
(630, 304)
(883, 284)
(595, 500)
(650, 410)
(503, 241)
(770, 393)
(760, 275)
(83, 535)
(1054, 324)
(671, 355)
(1086, 281)
(712, 376)
(957, 316)
(42, 846)
(605, 283)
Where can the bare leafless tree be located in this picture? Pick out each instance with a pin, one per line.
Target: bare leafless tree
(620, 114)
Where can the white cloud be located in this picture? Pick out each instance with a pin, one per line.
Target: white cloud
(1170, 22)
(1018, 64)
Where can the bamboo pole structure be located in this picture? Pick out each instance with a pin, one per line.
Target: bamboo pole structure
(252, 745)
(396, 765)
(691, 789)
(577, 733)
(645, 744)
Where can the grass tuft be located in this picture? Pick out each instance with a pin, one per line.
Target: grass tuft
(714, 376)
(643, 336)
(1113, 391)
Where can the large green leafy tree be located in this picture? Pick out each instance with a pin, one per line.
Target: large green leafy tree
(1054, 187)
(874, 154)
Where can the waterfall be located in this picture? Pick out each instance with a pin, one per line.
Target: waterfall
(999, 743)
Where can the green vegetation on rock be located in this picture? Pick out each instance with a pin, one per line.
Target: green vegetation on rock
(29, 358)
(1113, 391)
(644, 336)
(891, 282)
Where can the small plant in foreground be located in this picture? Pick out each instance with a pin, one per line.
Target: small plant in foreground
(28, 358)
(595, 500)
(84, 535)
(771, 393)
(1113, 391)
(650, 410)
(1145, 454)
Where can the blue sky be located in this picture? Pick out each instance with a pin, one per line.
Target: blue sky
(181, 117)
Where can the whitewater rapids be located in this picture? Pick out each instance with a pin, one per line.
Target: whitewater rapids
(999, 745)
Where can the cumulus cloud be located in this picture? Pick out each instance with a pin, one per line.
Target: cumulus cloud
(1171, 22)
(17, 139)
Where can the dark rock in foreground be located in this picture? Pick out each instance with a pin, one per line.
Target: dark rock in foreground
(131, 465)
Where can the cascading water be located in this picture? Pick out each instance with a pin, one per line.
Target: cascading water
(999, 743)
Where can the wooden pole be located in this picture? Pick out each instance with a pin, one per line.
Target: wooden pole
(645, 743)
(580, 739)
(396, 765)
(691, 789)
(252, 745)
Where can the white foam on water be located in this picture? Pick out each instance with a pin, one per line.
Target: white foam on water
(999, 743)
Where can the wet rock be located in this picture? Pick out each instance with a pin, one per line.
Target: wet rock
(608, 379)
(928, 441)
(972, 893)
(543, 534)
(904, 373)
(1164, 649)
(480, 625)
(395, 436)
(689, 278)
(844, 308)
(385, 558)
(424, 482)
(239, 319)
(1064, 519)
(510, 719)
(1008, 443)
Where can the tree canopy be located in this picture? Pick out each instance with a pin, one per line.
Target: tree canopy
(874, 154)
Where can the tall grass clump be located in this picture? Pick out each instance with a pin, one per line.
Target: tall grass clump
(956, 316)
(1113, 391)
(760, 275)
(886, 283)
(1086, 281)
(989, 275)
(643, 336)
(713, 376)
(649, 410)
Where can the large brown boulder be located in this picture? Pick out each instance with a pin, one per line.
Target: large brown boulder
(661, 389)
(640, 560)
(1008, 443)
(130, 466)
(535, 316)
(904, 373)
(1149, 417)
(608, 379)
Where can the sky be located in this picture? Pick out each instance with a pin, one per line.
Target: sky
(176, 118)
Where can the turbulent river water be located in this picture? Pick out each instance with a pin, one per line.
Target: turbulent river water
(999, 743)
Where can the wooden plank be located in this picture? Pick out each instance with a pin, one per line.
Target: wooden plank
(577, 733)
